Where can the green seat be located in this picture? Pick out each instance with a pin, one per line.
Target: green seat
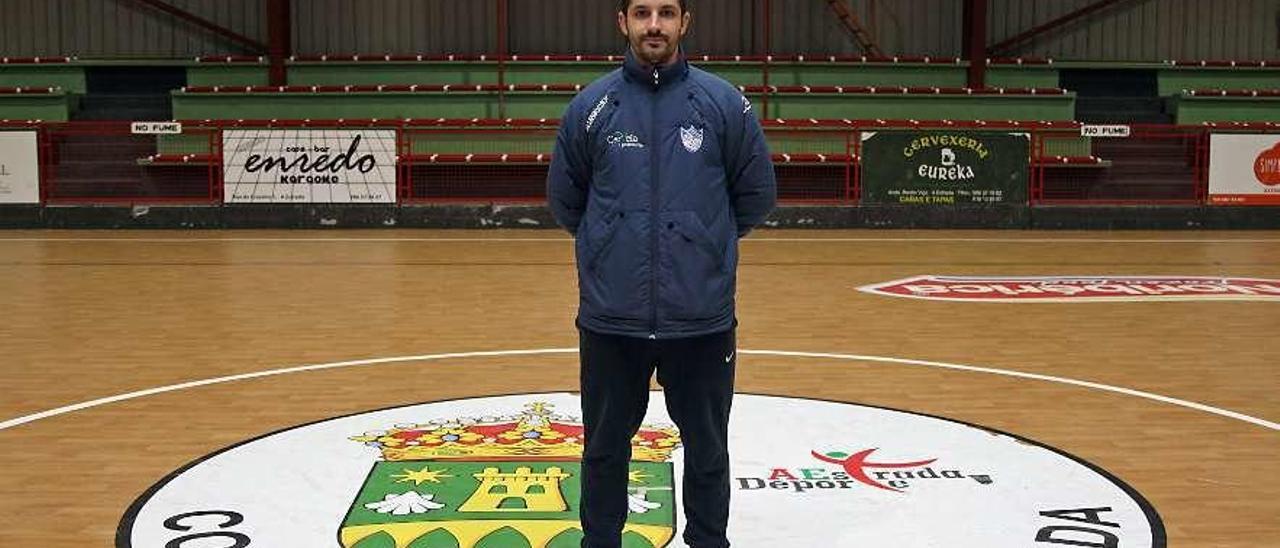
(365, 104)
(315, 70)
(47, 104)
(1174, 78)
(487, 102)
(1238, 106)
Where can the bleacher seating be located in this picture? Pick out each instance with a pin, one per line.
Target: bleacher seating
(34, 103)
(786, 74)
(813, 108)
(426, 101)
(582, 69)
(228, 70)
(1176, 76)
(1022, 72)
(1198, 106)
(57, 72)
(549, 100)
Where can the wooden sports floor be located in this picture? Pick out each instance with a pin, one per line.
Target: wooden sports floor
(90, 315)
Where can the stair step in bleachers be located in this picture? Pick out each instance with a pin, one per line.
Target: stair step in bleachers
(124, 107)
(1122, 110)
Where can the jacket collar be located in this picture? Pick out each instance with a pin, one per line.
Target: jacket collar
(644, 73)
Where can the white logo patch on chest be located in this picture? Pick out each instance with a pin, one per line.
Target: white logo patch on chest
(691, 137)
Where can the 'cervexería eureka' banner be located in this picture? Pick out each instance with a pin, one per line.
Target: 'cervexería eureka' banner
(945, 168)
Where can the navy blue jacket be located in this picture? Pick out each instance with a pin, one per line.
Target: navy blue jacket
(657, 173)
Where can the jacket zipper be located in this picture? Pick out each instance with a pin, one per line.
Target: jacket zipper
(654, 225)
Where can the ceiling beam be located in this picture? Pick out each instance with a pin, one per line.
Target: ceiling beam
(1018, 40)
(184, 15)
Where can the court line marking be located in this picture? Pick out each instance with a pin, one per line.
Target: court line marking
(745, 240)
(18, 421)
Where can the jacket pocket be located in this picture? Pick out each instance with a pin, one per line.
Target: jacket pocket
(699, 280)
(614, 277)
(600, 237)
(692, 231)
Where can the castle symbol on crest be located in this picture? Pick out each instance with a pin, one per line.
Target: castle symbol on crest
(493, 482)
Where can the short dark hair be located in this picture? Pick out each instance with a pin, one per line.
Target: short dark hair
(624, 5)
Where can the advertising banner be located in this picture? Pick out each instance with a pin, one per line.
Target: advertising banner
(1077, 289)
(19, 168)
(945, 168)
(335, 166)
(1244, 169)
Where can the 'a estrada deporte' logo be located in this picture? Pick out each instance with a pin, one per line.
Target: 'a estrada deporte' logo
(897, 475)
(856, 471)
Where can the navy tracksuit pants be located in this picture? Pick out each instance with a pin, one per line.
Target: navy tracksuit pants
(696, 375)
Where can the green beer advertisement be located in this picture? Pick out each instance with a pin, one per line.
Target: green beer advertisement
(944, 168)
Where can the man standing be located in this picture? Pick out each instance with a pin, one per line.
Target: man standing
(659, 169)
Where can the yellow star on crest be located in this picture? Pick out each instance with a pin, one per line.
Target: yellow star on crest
(638, 476)
(420, 476)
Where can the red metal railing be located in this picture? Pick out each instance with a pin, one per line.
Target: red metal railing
(474, 164)
(817, 161)
(1155, 165)
(103, 162)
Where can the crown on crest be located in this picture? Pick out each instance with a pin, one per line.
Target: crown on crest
(535, 434)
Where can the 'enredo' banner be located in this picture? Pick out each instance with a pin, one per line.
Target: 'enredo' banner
(309, 166)
(945, 168)
(1244, 169)
(19, 168)
(1077, 289)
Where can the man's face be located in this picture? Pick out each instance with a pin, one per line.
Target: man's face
(654, 29)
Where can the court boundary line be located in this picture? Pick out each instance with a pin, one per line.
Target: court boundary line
(24, 419)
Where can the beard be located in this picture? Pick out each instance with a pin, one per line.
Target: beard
(649, 50)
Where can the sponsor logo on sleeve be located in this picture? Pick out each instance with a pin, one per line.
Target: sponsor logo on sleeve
(595, 112)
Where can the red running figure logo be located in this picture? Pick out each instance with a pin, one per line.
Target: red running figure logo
(856, 465)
